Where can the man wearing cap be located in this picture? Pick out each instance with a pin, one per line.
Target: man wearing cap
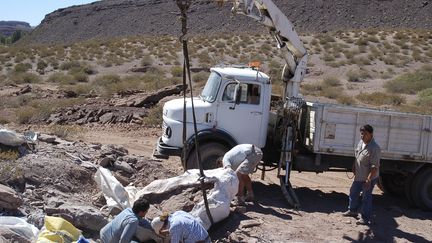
(243, 159)
(124, 226)
(366, 173)
(180, 227)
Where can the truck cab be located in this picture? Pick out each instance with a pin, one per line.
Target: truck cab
(233, 108)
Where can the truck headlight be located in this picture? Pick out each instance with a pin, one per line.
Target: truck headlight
(168, 132)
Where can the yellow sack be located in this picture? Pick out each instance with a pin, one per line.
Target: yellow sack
(58, 230)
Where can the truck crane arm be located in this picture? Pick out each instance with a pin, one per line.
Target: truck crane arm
(294, 52)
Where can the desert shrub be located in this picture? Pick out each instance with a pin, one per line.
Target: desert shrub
(79, 89)
(65, 132)
(107, 80)
(25, 114)
(21, 78)
(311, 89)
(200, 77)
(154, 117)
(380, 98)
(410, 83)
(331, 82)
(177, 71)
(22, 67)
(328, 57)
(346, 100)
(41, 66)
(331, 92)
(357, 75)
(425, 96)
(147, 60)
(69, 65)
(80, 77)
(61, 78)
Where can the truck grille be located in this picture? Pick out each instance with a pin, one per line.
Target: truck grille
(164, 128)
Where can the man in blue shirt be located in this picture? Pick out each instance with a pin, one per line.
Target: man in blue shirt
(181, 227)
(123, 227)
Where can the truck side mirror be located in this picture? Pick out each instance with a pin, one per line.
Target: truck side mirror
(237, 95)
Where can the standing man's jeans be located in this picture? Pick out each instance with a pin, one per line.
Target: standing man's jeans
(366, 202)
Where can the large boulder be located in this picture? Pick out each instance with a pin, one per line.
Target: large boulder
(9, 199)
(82, 217)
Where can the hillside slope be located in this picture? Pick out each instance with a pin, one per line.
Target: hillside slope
(116, 18)
(7, 28)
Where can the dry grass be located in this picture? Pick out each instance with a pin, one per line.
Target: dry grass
(380, 98)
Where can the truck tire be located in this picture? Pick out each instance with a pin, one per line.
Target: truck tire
(210, 153)
(422, 189)
(408, 190)
(393, 184)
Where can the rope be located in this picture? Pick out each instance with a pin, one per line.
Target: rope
(184, 6)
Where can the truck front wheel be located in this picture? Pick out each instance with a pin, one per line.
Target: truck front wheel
(210, 154)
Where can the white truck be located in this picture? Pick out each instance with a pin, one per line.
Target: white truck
(235, 107)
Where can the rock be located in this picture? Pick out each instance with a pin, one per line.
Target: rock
(107, 161)
(46, 138)
(130, 159)
(11, 236)
(122, 179)
(9, 199)
(83, 217)
(106, 118)
(122, 165)
(249, 223)
(24, 90)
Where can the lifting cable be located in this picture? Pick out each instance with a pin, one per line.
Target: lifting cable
(184, 6)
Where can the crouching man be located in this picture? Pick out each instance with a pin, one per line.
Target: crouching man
(243, 159)
(180, 227)
(124, 226)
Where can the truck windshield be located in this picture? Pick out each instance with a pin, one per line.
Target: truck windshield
(211, 88)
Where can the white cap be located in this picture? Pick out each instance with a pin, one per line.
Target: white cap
(157, 224)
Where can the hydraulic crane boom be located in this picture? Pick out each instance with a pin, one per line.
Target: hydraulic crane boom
(294, 52)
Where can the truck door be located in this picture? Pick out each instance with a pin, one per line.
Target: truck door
(242, 120)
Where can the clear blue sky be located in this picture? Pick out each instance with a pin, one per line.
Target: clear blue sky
(33, 11)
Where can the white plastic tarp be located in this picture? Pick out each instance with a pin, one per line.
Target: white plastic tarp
(219, 198)
(113, 191)
(19, 226)
(11, 138)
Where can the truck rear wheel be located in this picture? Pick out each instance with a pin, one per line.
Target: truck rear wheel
(210, 154)
(422, 189)
(393, 184)
(408, 190)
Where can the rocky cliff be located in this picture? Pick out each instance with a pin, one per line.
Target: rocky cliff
(116, 18)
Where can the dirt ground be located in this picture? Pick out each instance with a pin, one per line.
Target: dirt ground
(323, 198)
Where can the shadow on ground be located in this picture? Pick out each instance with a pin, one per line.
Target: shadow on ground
(386, 209)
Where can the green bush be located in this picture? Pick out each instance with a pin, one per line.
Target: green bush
(177, 71)
(61, 78)
(22, 78)
(357, 76)
(25, 114)
(410, 83)
(200, 77)
(22, 67)
(147, 60)
(41, 66)
(331, 82)
(425, 96)
(107, 80)
(380, 98)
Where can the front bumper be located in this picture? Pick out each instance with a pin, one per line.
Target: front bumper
(163, 150)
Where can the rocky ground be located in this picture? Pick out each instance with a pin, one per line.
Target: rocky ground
(56, 178)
